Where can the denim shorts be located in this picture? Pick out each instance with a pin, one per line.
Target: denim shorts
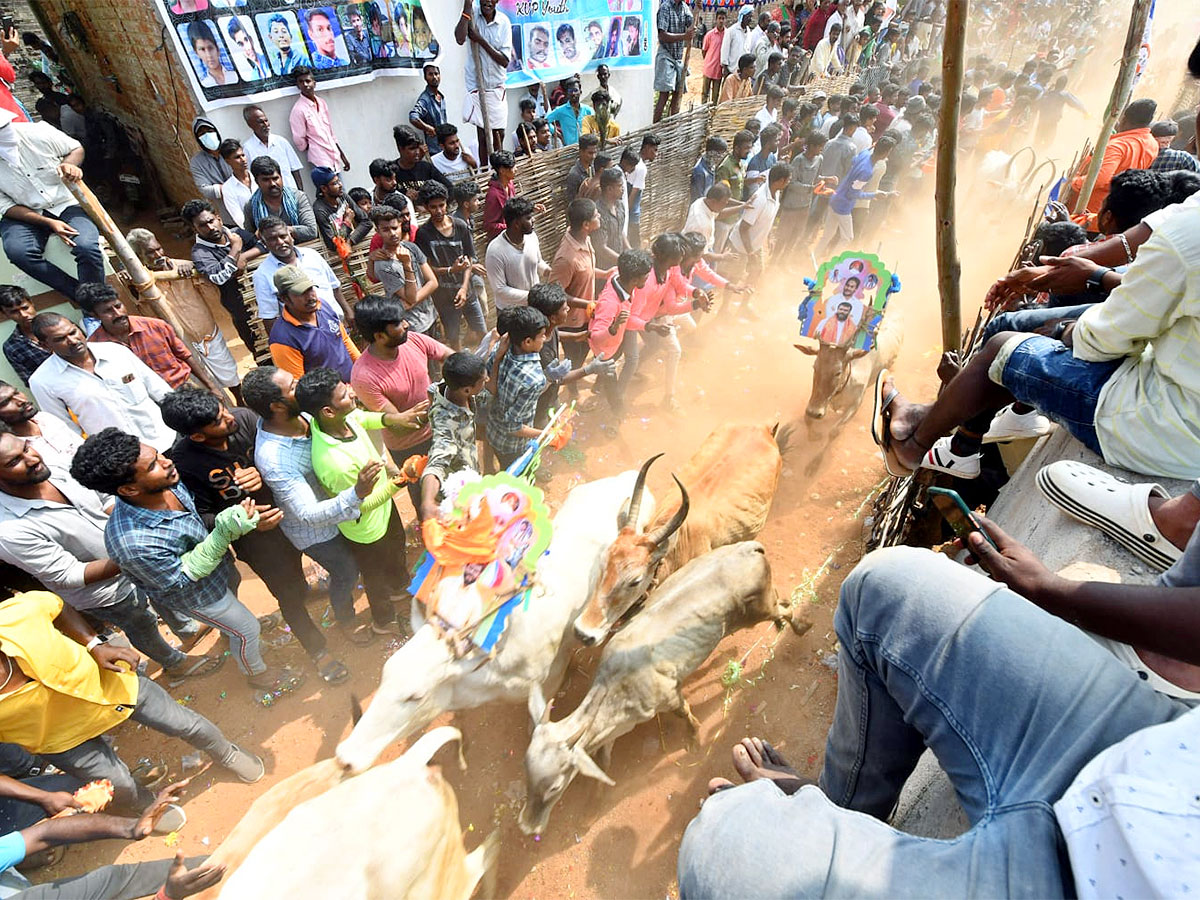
(1043, 373)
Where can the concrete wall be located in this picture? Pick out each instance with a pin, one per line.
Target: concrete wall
(363, 114)
(125, 70)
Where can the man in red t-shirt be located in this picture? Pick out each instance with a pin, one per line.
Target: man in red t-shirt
(392, 375)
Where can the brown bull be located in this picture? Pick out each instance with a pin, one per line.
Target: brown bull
(725, 493)
(841, 376)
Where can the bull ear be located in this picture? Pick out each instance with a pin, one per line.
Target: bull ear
(806, 350)
(587, 766)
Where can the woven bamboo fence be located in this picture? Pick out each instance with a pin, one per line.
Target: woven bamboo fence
(542, 178)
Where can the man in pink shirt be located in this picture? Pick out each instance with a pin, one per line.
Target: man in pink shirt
(312, 128)
(392, 375)
(666, 294)
(713, 73)
(612, 333)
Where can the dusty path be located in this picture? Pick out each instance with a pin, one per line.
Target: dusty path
(622, 841)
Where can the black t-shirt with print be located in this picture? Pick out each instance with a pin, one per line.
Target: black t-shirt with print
(208, 473)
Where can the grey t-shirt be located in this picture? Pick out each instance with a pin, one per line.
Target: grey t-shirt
(421, 317)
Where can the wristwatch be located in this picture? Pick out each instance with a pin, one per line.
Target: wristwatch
(96, 641)
(1095, 281)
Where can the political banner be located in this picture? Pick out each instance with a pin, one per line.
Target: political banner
(240, 50)
(553, 39)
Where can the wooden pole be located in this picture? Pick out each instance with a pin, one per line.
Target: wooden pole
(485, 150)
(1122, 89)
(949, 269)
(140, 278)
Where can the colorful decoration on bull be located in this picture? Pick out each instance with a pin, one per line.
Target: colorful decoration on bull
(482, 552)
(847, 300)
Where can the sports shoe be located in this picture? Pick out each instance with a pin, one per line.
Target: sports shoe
(1011, 426)
(941, 458)
(246, 766)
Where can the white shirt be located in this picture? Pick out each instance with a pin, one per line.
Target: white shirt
(235, 196)
(759, 213)
(498, 33)
(57, 443)
(702, 220)
(512, 272)
(311, 262)
(278, 148)
(32, 180)
(454, 169)
(767, 117)
(1131, 817)
(122, 392)
(733, 45)
(862, 139)
(1148, 412)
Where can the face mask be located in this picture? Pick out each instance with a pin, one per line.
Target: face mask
(210, 140)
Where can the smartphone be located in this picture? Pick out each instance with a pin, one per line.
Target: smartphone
(6, 22)
(956, 512)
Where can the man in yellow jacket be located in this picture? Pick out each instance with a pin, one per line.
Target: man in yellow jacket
(62, 686)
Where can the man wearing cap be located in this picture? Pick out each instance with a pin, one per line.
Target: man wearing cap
(307, 335)
(336, 216)
(733, 45)
(282, 251)
(36, 162)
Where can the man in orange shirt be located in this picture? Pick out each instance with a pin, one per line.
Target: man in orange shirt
(712, 60)
(1132, 147)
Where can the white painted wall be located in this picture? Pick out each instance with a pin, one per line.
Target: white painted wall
(363, 114)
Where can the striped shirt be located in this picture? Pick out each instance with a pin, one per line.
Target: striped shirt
(1148, 414)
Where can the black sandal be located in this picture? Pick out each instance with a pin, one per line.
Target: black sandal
(333, 671)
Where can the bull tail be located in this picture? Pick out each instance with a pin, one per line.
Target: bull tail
(431, 742)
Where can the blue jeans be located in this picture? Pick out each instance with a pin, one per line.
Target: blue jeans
(452, 316)
(1011, 700)
(241, 626)
(1030, 319)
(336, 557)
(25, 244)
(1044, 373)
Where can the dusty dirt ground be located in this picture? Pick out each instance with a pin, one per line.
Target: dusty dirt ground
(622, 841)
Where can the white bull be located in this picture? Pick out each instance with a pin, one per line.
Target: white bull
(392, 832)
(423, 679)
(644, 665)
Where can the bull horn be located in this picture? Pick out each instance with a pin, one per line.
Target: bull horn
(635, 500)
(431, 742)
(660, 535)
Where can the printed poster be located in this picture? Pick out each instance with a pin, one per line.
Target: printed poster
(847, 301)
(553, 39)
(238, 51)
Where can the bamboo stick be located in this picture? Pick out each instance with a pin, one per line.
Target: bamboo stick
(949, 267)
(1122, 89)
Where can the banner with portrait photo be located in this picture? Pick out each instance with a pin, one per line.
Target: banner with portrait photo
(240, 50)
(553, 39)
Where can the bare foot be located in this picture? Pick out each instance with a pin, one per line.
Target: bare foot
(903, 420)
(1176, 517)
(754, 759)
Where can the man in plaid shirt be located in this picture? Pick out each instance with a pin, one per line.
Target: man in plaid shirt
(517, 372)
(157, 538)
(21, 349)
(675, 30)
